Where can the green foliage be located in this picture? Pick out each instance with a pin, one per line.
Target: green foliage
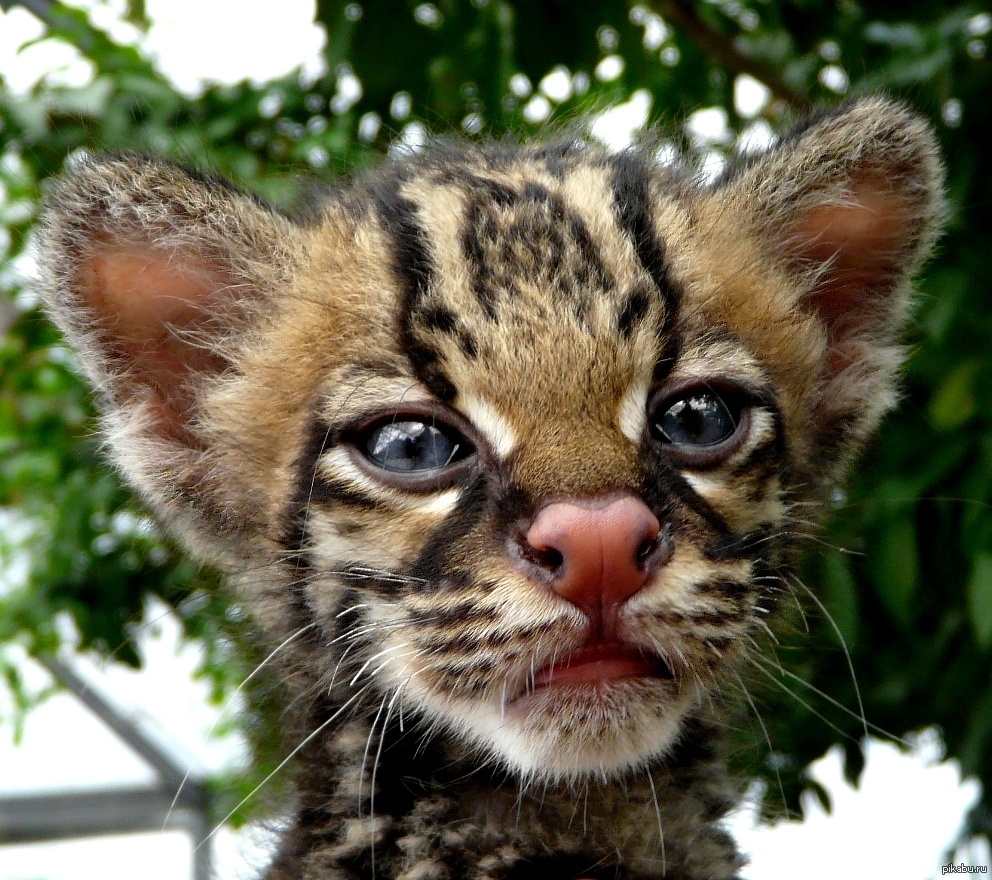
(911, 594)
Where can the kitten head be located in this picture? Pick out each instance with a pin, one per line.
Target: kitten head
(512, 434)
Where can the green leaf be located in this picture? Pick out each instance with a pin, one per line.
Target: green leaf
(894, 559)
(840, 595)
(980, 599)
(954, 403)
(904, 35)
(137, 14)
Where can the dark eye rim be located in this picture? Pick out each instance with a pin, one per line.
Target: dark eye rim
(425, 481)
(736, 398)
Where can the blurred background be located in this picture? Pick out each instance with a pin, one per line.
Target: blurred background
(279, 96)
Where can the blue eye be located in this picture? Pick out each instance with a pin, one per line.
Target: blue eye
(411, 446)
(699, 419)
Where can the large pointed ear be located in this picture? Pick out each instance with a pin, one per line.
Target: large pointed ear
(849, 204)
(154, 272)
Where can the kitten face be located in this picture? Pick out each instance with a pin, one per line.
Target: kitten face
(512, 433)
(548, 365)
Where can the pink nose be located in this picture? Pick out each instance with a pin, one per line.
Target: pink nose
(599, 552)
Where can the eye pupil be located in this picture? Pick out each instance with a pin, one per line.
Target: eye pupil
(698, 419)
(413, 446)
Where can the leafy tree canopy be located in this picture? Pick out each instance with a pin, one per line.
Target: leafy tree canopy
(910, 593)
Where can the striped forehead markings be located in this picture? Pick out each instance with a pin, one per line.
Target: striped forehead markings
(439, 318)
(633, 310)
(527, 233)
(411, 258)
(632, 203)
(514, 230)
(414, 267)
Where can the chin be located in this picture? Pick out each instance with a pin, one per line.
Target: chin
(569, 733)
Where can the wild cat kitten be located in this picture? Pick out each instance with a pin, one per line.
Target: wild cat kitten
(501, 445)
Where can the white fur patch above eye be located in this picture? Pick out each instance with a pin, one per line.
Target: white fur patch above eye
(495, 427)
(632, 414)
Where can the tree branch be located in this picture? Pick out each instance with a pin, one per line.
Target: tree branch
(684, 17)
(41, 9)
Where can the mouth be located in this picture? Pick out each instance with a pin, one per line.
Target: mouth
(602, 663)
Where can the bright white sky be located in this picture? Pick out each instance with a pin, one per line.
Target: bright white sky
(193, 40)
(909, 808)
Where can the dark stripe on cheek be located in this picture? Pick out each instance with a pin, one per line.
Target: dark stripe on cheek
(455, 617)
(766, 461)
(761, 463)
(348, 624)
(294, 537)
(368, 580)
(719, 619)
(318, 437)
(732, 546)
(434, 564)
(329, 493)
(311, 489)
(666, 490)
(727, 588)
(416, 271)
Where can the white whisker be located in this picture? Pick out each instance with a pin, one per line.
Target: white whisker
(281, 765)
(843, 644)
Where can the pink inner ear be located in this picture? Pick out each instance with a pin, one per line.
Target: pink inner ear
(154, 313)
(859, 242)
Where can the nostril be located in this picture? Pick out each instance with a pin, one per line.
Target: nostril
(657, 550)
(594, 553)
(548, 558)
(646, 550)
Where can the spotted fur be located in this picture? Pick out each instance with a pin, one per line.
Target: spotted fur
(539, 300)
